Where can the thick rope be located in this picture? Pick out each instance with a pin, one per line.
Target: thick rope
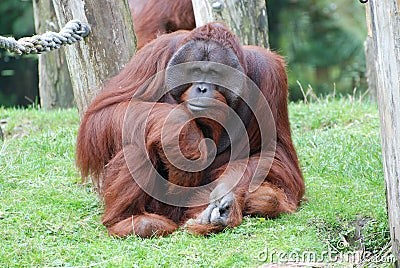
(73, 31)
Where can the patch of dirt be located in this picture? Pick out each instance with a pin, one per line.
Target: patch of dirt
(18, 131)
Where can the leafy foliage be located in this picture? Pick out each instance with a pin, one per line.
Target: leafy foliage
(323, 41)
(16, 18)
(18, 75)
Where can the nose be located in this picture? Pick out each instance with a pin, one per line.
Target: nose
(202, 89)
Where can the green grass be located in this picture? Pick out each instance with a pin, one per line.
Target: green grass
(47, 218)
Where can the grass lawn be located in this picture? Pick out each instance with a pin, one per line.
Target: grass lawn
(47, 218)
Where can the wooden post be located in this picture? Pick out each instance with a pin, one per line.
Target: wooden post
(369, 52)
(55, 89)
(247, 19)
(386, 33)
(370, 74)
(104, 52)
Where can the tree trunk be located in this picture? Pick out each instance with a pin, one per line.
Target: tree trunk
(55, 88)
(386, 34)
(109, 46)
(247, 19)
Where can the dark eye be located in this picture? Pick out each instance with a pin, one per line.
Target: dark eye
(214, 73)
(197, 71)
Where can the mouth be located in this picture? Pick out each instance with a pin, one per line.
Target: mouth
(197, 107)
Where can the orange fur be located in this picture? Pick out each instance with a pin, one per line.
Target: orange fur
(104, 155)
(152, 18)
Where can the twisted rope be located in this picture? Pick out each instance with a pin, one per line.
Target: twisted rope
(72, 32)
